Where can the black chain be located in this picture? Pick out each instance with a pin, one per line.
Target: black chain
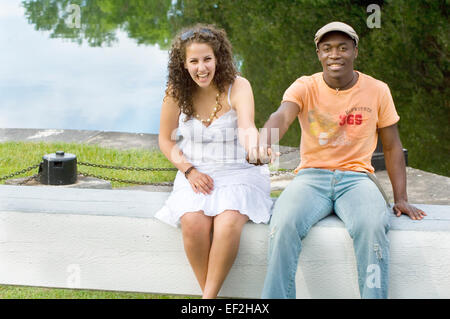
(289, 151)
(20, 172)
(25, 170)
(128, 168)
(113, 179)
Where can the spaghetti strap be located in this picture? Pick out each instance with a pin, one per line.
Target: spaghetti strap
(229, 93)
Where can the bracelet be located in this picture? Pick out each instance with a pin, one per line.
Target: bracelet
(188, 171)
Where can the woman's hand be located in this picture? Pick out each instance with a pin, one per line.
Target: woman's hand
(268, 156)
(262, 155)
(200, 183)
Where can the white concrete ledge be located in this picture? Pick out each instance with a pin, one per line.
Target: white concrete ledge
(107, 239)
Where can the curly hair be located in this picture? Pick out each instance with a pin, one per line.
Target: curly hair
(180, 85)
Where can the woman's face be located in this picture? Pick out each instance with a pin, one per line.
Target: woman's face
(200, 63)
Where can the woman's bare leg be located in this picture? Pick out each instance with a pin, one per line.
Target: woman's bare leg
(196, 229)
(227, 228)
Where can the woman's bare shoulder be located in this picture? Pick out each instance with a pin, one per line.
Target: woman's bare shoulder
(241, 82)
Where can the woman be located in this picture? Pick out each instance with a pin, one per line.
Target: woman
(216, 191)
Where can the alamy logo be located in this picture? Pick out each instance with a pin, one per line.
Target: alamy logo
(374, 20)
(74, 18)
(373, 279)
(74, 278)
(223, 146)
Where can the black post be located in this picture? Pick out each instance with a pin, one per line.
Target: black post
(378, 157)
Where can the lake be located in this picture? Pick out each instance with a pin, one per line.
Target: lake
(56, 83)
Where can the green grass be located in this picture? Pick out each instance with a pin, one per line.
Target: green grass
(22, 292)
(276, 193)
(15, 156)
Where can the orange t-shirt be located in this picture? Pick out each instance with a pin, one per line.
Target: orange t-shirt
(339, 128)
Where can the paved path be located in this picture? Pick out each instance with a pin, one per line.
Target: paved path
(423, 187)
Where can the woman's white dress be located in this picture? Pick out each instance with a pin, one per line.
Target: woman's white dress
(216, 151)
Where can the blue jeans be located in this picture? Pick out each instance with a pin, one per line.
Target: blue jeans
(312, 195)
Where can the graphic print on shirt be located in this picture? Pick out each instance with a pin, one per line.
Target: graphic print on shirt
(340, 129)
(322, 126)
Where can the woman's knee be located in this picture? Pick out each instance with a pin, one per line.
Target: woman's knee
(195, 224)
(229, 222)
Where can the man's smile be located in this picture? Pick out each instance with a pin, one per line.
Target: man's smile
(334, 66)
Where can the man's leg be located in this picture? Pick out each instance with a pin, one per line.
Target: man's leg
(363, 209)
(302, 204)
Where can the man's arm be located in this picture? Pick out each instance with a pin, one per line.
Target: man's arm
(281, 119)
(396, 168)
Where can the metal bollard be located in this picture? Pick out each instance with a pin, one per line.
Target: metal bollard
(58, 169)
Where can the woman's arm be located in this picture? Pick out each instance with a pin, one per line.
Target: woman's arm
(243, 102)
(167, 128)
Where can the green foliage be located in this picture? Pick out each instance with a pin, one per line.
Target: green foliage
(273, 42)
(410, 53)
(145, 21)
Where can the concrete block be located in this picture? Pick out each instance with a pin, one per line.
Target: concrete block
(109, 240)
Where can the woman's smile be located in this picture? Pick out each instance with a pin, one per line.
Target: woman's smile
(200, 63)
(203, 77)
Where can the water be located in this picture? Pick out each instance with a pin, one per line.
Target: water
(51, 78)
(55, 83)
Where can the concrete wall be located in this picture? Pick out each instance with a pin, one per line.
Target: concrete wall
(107, 239)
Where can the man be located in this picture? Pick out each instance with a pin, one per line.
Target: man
(341, 112)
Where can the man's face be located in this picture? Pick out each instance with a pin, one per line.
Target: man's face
(336, 51)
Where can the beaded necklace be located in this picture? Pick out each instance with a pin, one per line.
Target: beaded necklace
(217, 108)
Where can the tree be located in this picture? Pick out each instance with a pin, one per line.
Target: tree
(273, 44)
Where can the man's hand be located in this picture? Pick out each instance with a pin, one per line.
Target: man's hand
(269, 155)
(262, 155)
(395, 165)
(403, 207)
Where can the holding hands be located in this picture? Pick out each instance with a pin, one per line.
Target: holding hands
(262, 155)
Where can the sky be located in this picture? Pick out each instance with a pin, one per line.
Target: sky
(57, 84)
